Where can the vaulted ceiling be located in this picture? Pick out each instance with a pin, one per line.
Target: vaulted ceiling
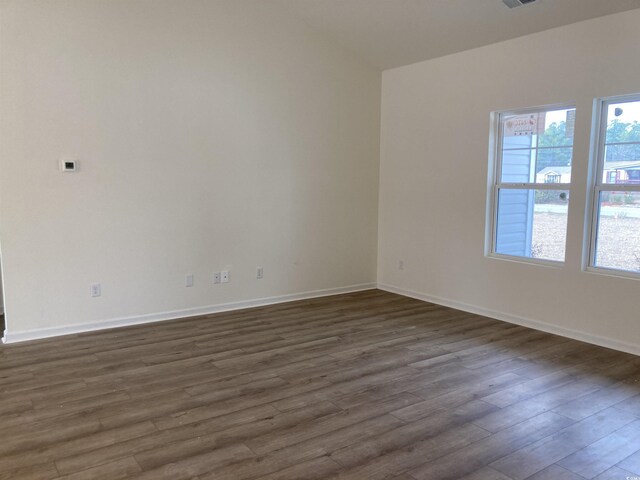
(390, 33)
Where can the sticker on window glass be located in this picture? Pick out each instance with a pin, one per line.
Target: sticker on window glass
(525, 125)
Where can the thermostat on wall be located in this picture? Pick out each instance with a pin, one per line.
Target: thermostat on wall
(67, 165)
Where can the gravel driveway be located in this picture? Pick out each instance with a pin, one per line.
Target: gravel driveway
(618, 242)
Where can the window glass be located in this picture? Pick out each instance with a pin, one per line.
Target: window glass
(618, 231)
(535, 145)
(616, 219)
(532, 223)
(534, 160)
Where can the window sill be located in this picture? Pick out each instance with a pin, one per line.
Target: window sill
(611, 272)
(538, 262)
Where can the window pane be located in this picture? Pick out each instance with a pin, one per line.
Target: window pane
(516, 166)
(513, 140)
(618, 231)
(554, 163)
(558, 128)
(539, 129)
(622, 164)
(623, 123)
(626, 152)
(537, 147)
(532, 223)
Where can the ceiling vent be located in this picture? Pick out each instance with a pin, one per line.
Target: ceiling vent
(517, 3)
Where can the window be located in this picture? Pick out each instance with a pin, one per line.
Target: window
(615, 228)
(553, 178)
(531, 183)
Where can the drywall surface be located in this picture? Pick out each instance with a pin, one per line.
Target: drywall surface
(209, 135)
(434, 164)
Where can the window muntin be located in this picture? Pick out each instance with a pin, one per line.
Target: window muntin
(615, 229)
(531, 183)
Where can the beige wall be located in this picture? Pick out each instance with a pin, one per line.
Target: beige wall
(434, 157)
(221, 134)
(209, 134)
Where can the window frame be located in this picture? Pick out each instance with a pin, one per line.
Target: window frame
(597, 185)
(494, 183)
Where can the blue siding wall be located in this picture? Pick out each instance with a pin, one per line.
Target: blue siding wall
(515, 207)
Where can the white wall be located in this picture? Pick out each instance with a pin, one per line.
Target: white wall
(210, 135)
(434, 158)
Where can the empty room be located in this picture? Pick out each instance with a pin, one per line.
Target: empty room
(309, 239)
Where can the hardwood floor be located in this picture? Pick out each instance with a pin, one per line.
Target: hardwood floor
(368, 385)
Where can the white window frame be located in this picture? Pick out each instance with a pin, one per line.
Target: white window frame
(495, 184)
(596, 184)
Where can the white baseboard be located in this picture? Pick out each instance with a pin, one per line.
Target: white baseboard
(14, 337)
(525, 322)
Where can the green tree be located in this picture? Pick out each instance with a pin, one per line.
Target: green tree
(555, 135)
(622, 132)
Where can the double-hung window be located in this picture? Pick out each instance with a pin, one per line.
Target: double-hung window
(531, 181)
(615, 225)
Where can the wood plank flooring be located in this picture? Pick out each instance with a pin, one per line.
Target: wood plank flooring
(368, 385)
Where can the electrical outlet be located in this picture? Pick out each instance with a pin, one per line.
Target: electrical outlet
(189, 280)
(96, 290)
(259, 273)
(401, 265)
(217, 277)
(224, 276)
